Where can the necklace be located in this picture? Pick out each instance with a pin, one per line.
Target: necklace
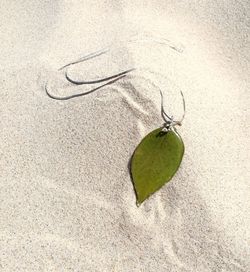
(158, 156)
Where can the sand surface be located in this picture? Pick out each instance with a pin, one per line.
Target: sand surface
(67, 200)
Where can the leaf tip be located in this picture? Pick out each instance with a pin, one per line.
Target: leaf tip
(138, 204)
(140, 200)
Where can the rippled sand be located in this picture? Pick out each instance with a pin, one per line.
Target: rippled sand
(67, 200)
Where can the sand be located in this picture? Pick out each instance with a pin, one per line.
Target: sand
(67, 200)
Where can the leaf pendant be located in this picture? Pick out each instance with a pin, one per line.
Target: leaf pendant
(155, 161)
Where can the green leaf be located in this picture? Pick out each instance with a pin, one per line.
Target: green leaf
(155, 161)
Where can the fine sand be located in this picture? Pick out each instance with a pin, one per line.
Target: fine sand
(67, 200)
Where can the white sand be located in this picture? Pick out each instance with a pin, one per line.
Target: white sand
(67, 201)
